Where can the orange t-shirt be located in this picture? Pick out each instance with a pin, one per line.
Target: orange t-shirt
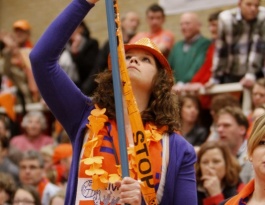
(163, 37)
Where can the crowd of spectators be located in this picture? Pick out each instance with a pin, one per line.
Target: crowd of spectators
(35, 151)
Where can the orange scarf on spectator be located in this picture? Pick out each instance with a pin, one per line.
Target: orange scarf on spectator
(42, 185)
(244, 193)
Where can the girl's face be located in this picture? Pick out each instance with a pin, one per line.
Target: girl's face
(189, 111)
(258, 95)
(258, 160)
(141, 67)
(213, 163)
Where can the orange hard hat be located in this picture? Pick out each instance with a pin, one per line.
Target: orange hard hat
(147, 45)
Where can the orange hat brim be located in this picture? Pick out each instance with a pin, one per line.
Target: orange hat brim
(160, 57)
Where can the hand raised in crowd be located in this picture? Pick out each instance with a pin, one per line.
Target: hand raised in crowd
(209, 84)
(8, 40)
(11, 47)
(191, 88)
(211, 182)
(177, 88)
(247, 82)
(130, 191)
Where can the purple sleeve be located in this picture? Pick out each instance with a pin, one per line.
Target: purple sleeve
(61, 95)
(180, 186)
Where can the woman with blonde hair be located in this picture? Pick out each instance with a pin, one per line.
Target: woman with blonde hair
(254, 193)
(258, 99)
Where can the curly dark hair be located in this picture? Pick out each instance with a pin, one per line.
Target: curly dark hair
(162, 108)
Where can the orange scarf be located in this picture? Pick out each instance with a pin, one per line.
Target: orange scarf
(42, 185)
(244, 193)
(102, 156)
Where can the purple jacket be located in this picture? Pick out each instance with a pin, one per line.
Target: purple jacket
(71, 107)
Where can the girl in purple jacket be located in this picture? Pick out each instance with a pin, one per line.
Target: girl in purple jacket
(96, 180)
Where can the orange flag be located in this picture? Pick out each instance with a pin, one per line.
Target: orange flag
(7, 101)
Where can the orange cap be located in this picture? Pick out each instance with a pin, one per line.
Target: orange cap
(62, 151)
(22, 24)
(148, 45)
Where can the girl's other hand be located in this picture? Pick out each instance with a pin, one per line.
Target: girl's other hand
(130, 191)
